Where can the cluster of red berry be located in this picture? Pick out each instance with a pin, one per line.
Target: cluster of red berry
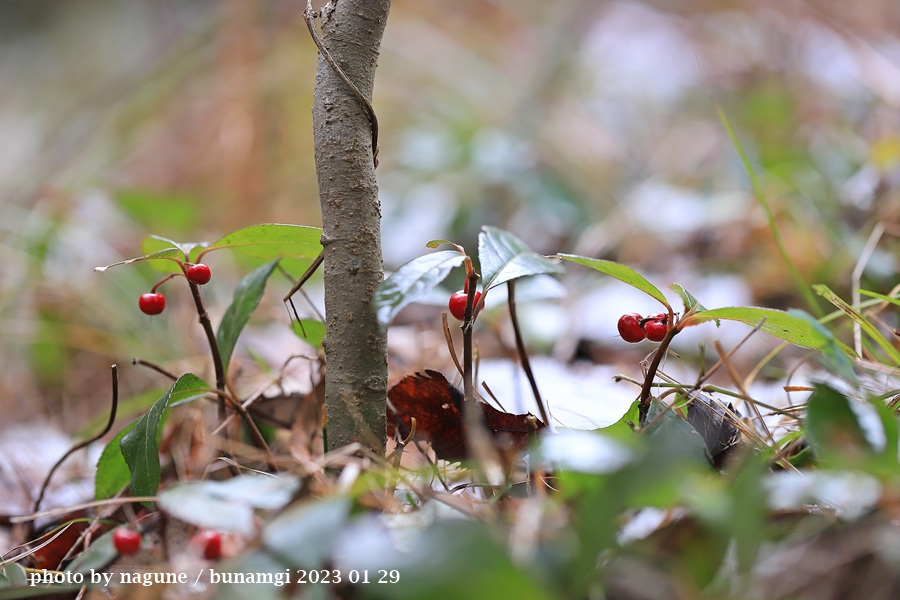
(154, 303)
(634, 328)
(128, 541)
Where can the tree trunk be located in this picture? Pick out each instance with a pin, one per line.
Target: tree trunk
(355, 346)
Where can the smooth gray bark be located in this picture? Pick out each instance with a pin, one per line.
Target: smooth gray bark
(355, 346)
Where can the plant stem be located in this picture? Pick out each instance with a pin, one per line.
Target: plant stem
(644, 406)
(213, 344)
(523, 354)
(480, 447)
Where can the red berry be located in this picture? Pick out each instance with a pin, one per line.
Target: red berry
(152, 303)
(656, 330)
(630, 328)
(656, 326)
(126, 541)
(458, 304)
(198, 274)
(211, 543)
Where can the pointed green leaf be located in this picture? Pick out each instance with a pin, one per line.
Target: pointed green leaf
(505, 257)
(825, 291)
(412, 281)
(140, 445)
(272, 240)
(784, 326)
(620, 272)
(247, 295)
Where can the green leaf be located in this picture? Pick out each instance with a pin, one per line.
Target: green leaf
(228, 505)
(304, 535)
(833, 429)
(310, 331)
(689, 301)
(825, 291)
(97, 557)
(834, 355)
(621, 429)
(13, 575)
(784, 326)
(675, 435)
(140, 445)
(413, 281)
(505, 257)
(272, 240)
(890, 299)
(173, 254)
(620, 272)
(247, 295)
(155, 243)
(112, 470)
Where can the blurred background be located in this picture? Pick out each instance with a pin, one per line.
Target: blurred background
(581, 126)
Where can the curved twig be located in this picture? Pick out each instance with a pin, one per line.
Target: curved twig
(155, 367)
(80, 445)
(309, 15)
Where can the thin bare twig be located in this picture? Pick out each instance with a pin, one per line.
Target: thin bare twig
(304, 278)
(155, 367)
(450, 346)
